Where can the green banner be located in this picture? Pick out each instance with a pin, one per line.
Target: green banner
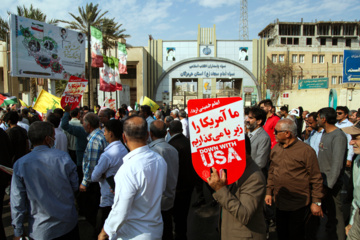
(313, 83)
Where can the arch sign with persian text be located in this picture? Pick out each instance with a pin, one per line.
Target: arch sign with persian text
(217, 136)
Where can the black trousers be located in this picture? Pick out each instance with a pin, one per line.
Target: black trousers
(72, 235)
(168, 225)
(2, 194)
(291, 224)
(89, 202)
(102, 215)
(180, 213)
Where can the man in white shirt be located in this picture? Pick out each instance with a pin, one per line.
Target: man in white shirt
(109, 163)
(139, 185)
(343, 121)
(313, 132)
(145, 112)
(185, 123)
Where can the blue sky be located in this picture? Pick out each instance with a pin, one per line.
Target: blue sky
(179, 19)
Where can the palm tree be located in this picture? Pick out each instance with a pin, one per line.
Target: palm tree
(32, 13)
(89, 16)
(112, 32)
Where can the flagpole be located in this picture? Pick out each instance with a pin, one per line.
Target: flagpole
(89, 66)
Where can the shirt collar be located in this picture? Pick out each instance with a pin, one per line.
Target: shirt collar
(115, 143)
(343, 122)
(174, 136)
(135, 152)
(40, 148)
(153, 143)
(290, 145)
(93, 133)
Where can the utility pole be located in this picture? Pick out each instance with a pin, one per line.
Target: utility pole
(244, 29)
(89, 66)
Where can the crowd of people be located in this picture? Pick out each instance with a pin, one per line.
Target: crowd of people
(129, 174)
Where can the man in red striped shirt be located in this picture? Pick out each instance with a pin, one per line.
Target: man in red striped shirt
(271, 119)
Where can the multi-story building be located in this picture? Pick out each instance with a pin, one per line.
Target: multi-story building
(313, 50)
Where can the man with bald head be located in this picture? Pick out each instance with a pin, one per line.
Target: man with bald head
(170, 154)
(295, 181)
(139, 186)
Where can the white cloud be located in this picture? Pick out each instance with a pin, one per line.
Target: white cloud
(224, 17)
(216, 3)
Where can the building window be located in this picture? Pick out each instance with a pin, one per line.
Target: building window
(334, 59)
(281, 58)
(348, 42)
(301, 58)
(283, 40)
(293, 79)
(294, 58)
(273, 58)
(309, 30)
(322, 41)
(321, 76)
(296, 41)
(333, 80)
(313, 77)
(340, 80)
(309, 41)
(289, 41)
(321, 58)
(341, 58)
(314, 58)
(334, 42)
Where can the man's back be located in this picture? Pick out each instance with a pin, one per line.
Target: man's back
(140, 183)
(45, 181)
(260, 147)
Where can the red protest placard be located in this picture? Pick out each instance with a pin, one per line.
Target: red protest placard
(217, 136)
(73, 92)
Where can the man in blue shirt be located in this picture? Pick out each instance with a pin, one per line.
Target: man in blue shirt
(43, 186)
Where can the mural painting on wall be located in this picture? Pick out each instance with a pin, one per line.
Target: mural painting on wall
(243, 54)
(170, 54)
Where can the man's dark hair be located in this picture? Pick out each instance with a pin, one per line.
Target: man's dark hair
(158, 132)
(358, 113)
(122, 111)
(175, 127)
(246, 110)
(313, 115)
(266, 102)
(146, 109)
(59, 111)
(329, 114)
(107, 112)
(258, 114)
(343, 108)
(75, 112)
(25, 112)
(116, 127)
(284, 108)
(112, 113)
(86, 108)
(53, 119)
(39, 130)
(124, 106)
(92, 119)
(136, 132)
(11, 116)
(182, 114)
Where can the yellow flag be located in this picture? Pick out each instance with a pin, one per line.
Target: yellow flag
(46, 101)
(151, 103)
(23, 104)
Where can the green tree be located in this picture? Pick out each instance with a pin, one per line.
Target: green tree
(91, 15)
(112, 32)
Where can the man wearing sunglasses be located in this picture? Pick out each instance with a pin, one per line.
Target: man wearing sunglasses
(295, 181)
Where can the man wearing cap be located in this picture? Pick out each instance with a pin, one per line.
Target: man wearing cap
(353, 229)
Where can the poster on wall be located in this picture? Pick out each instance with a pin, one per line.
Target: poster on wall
(217, 136)
(42, 50)
(170, 54)
(351, 68)
(243, 54)
(207, 86)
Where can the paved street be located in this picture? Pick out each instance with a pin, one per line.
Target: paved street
(202, 222)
